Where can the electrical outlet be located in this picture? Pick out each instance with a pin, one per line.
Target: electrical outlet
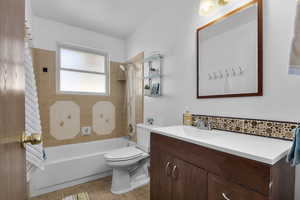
(87, 130)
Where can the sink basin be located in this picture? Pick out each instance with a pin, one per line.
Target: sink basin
(189, 132)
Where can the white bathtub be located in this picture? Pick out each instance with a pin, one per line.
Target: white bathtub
(73, 164)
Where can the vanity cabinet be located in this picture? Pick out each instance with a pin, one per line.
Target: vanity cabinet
(161, 185)
(176, 179)
(186, 181)
(221, 189)
(184, 171)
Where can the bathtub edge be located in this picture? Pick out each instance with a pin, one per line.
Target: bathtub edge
(41, 191)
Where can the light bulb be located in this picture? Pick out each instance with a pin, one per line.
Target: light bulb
(207, 7)
(223, 2)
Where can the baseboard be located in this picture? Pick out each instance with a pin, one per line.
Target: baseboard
(60, 186)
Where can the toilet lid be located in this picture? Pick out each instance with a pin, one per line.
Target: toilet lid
(122, 154)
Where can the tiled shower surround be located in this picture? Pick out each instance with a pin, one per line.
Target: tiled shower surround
(266, 128)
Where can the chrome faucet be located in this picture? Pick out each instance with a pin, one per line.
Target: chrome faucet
(204, 126)
(210, 126)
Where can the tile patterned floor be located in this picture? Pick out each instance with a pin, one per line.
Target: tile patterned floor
(98, 190)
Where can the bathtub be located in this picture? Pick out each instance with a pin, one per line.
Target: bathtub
(73, 164)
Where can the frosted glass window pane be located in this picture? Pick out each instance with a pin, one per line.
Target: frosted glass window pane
(78, 60)
(82, 82)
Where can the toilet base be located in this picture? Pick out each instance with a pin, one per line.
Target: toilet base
(133, 185)
(123, 181)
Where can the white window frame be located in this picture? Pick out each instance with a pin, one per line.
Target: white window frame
(86, 50)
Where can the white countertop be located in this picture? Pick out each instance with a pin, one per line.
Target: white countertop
(262, 149)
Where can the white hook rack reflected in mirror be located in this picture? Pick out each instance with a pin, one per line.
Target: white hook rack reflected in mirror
(227, 73)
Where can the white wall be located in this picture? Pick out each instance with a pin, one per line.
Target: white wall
(47, 33)
(172, 31)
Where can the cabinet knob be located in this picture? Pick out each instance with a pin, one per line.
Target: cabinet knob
(174, 173)
(167, 169)
(225, 196)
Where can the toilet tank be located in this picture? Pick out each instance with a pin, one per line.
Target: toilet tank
(143, 136)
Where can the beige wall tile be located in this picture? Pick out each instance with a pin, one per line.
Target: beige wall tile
(47, 97)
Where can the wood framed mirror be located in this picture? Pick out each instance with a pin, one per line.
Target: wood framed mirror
(230, 54)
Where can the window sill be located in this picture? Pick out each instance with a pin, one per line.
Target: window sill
(82, 93)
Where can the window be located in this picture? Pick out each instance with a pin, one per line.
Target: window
(82, 71)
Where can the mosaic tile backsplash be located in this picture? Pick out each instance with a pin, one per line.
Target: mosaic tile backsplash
(266, 128)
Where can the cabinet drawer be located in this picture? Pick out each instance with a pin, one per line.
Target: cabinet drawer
(219, 189)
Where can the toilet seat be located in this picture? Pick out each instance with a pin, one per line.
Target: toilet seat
(123, 154)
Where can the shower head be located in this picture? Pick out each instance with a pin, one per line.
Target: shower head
(122, 68)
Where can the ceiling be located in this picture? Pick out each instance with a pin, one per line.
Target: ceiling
(117, 18)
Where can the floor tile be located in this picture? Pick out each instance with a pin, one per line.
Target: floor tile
(98, 190)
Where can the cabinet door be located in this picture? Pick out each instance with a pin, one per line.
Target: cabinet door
(160, 171)
(220, 189)
(189, 181)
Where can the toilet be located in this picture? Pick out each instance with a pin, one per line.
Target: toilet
(130, 164)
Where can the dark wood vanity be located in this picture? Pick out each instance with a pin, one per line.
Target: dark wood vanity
(184, 171)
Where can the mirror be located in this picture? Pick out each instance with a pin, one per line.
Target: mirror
(230, 54)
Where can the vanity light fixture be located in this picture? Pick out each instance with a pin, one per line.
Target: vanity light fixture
(223, 2)
(207, 7)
